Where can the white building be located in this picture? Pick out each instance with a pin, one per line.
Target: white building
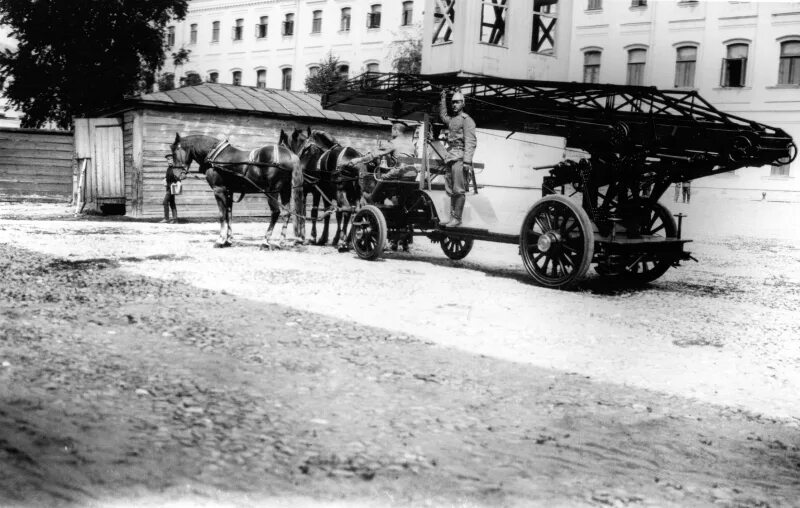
(743, 57)
(277, 43)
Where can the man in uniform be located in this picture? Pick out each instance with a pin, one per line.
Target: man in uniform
(461, 142)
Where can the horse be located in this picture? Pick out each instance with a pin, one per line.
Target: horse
(272, 170)
(309, 145)
(349, 172)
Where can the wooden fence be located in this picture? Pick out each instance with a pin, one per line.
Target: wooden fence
(36, 165)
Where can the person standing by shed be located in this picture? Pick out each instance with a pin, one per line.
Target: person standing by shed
(462, 141)
(172, 182)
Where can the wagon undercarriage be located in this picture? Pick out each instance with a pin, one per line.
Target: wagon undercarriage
(600, 209)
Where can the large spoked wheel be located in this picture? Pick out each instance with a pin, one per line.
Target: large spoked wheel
(647, 267)
(556, 242)
(369, 232)
(456, 248)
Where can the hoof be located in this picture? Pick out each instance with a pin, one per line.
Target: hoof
(342, 247)
(321, 242)
(393, 245)
(218, 245)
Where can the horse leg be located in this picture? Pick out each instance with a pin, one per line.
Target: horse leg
(229, 196)
(341, 232)
(344, 243)
(220, 195)
(314, 215)
(276, 212)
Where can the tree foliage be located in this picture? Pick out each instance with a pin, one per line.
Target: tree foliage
(192, 79)
(407, 56)
(327, 77)
(74, 57)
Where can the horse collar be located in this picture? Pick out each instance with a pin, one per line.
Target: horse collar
(217, 150)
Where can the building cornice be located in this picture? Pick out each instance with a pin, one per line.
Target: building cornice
(223, 6)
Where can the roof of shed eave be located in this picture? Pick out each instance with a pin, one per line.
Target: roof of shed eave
(139, 104)
(153, 100)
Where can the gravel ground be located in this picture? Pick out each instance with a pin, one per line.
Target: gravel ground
(142, 367)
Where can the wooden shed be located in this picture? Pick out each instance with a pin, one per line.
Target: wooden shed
(249, 117)
(35, 165)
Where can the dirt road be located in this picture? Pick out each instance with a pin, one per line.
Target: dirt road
(140, 366)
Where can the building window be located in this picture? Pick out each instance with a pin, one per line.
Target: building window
(313, 71)
(493, 22)
(236, 78)
(639, 3)
(374, 16)
(213, 77)
(193, 33)
(288, 25)
(343, 71)
(261, 78)
(344, 24)
(591, 67)
(734, 66)
(545, 18)
(789, 70)
(238, 30)
(373, 67)
(215, 31)
(408, 13)
(685, 64)
(594, 5)
(286, 78)
(316, 22)
(261, 27)
(636, 59)
(779, 170)
(170, 36)
(443, 22)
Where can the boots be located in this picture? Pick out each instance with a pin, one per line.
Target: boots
(456, 210)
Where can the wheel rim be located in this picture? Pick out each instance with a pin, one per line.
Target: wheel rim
(369, 233)
(649, 266)
(456, 248)
(365, 237)
(557, 242)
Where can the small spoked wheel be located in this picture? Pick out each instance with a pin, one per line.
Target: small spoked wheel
(456, 248)
(647, 267)
(556, 242)
(369, 232)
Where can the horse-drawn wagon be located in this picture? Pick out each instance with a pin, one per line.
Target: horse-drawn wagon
(636, 142)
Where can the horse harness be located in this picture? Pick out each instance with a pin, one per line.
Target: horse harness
(251, 161)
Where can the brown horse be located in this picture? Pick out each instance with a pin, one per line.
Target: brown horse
(272, 170)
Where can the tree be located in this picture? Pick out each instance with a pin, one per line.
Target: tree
(74, 57)
(407, 56)
(327, 76)
(192, 79)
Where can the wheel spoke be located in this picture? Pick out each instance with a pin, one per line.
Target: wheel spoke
(656, 230)
(541, 225)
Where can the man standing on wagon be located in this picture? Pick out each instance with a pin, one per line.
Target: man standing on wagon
(461, 141)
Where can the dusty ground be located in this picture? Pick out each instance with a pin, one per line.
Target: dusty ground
(138, 366)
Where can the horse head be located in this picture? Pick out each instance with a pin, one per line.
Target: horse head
(194, 148)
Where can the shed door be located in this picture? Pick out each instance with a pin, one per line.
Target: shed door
(100, 141)
(107, 134)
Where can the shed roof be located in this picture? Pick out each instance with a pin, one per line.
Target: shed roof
(246, 99)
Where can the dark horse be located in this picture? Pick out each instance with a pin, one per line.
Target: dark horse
(309, 145)
(348, 171)
(271, 170)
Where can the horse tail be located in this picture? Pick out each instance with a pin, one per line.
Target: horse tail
(297, 201)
